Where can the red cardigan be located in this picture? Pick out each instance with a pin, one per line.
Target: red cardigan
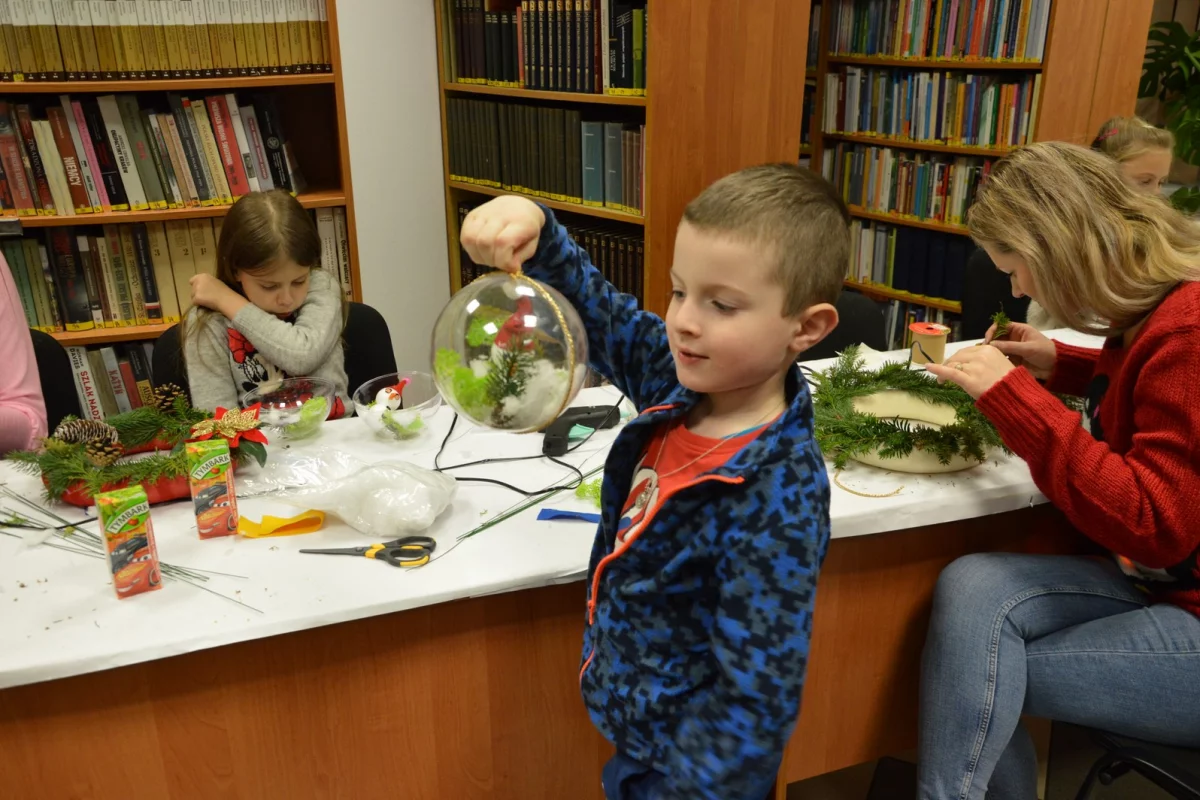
(1130, 479)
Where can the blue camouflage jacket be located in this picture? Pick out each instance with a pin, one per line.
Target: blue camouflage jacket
(698, 632)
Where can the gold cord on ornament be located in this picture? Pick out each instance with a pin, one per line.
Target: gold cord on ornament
(570, 340)
(837, 478)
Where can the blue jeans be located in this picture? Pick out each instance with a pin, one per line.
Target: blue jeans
(1060, 637)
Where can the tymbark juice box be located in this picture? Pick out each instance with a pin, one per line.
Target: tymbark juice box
(211, 480)
(129, 540)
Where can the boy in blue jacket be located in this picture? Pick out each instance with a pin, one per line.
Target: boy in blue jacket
(715, 500)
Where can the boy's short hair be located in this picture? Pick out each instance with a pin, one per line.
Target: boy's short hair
(792, 213)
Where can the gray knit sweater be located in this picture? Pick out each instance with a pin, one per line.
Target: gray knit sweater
(226, 359)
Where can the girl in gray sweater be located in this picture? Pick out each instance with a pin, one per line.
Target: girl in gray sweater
(269, 313)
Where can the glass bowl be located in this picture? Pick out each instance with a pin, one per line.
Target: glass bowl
(294, 408)
(401, 415)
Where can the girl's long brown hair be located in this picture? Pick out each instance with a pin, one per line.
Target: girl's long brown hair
(1102, 255)
(260, 229)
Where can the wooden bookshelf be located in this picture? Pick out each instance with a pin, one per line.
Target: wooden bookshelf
(231, 83)
(909, 144)
(912, 222)
(1071, 104)
(329, 199)
(574, 208)
(938, 63)
(877, 292)
(322, 151)
(532, 94)
(132, 333)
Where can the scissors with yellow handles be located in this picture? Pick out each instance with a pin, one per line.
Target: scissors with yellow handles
(407, 551)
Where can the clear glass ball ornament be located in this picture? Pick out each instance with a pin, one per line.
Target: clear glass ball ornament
(509, 353)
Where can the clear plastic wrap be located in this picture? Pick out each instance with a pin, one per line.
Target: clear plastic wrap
(385, 500)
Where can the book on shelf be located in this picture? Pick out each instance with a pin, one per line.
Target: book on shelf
(112, 379)
(617, 250)
(923, 263)
(949, 107)
(812, 54)
(115, 276)
(995, 30)
(74, 157)
(54, 40)
(551, 153)
(887, 180)
(588, 46)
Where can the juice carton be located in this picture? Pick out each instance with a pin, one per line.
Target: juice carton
(212, 488)
(129, 540)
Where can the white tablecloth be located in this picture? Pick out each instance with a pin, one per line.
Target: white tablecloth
(60, 617)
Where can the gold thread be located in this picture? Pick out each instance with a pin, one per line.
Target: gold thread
(570, 341)
(837, 478)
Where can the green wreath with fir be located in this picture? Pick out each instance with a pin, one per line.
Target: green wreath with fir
(844, 433)
(89, 454)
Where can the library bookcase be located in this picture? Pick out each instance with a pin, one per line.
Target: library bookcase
(312, 112)
(1089, 72)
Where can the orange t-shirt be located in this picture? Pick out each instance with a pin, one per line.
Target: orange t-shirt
(665, 469)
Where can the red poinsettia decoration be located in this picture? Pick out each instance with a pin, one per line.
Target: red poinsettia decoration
(239, 427)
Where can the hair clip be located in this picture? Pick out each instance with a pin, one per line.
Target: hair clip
(1106, 134)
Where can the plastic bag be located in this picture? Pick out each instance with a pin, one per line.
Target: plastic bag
(295, 467)
(385, 500)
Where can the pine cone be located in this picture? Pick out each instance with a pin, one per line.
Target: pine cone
(164, 396)
(103, 453)
(75, 431)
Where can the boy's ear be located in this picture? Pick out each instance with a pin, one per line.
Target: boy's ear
(812, 325)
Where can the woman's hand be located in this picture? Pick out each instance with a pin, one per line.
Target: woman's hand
(1027, 347)
(975, 369)
(209, 292)
(503, 233)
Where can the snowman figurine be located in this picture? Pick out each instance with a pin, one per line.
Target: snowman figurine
(392, 397)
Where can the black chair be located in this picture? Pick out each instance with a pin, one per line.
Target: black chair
(57, 379)
(366, 343)
(166, 364)
(987, 290)
(860, 321)
(1153, 762)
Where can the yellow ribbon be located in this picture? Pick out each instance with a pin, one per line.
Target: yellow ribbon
(305, 522)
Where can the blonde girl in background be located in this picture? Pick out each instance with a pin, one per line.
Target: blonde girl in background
(269, 313)
(1143, 153)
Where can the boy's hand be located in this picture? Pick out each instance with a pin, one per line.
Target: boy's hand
(209, 292)
(503, 233)
(1027, 347)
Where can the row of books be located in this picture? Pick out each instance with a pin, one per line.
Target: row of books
(618, 251)
(112, 380)
(926, 264)
(116, 276)
(985, 110)
(970, 29)
(56, 40)
(117, 153)
(590, 46)
(547, 152)
(924, 186)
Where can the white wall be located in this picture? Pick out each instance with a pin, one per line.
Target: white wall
(389, 63)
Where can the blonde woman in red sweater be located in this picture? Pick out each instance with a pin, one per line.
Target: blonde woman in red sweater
(1108, 643)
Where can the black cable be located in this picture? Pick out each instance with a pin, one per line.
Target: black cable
(574, 483)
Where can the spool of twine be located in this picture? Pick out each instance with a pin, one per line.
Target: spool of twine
(931, 338)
